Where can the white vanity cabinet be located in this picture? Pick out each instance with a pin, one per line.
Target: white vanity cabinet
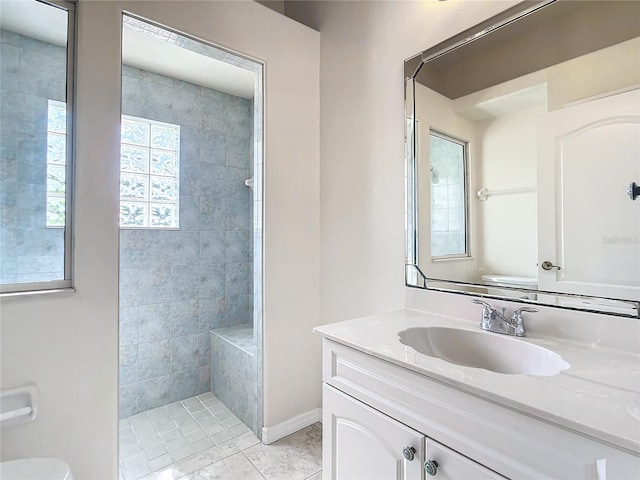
(361, 443)
(374, 409)
(367, 445)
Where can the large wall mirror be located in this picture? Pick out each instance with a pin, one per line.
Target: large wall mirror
(523, 149)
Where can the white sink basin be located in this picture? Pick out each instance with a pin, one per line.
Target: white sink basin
(494, 352)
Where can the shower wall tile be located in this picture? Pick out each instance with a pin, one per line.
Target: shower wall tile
(128, 371)
(31, 73)
(204, 379)
(128, 326)
(32, 123)
(153, 393)
(184, 353)
(131, 71)
(154, 284)
(190, 138)
(212, 280)
(9, 68)
(238, 248)
(185, 317)
(239, 308)
(184, 384)
(9, 111)
(158, 105)
(128, 401)
(212, 180)
(236, 214)
(234, 182)
(238, 150)
(189, 213)
(212, 213)
(212, 313)
(154, 322)
(44, 48)
(30, 201)
(204, 350)
(187, 108)
(185, 248)
(43, 75)
(182, 86)
(8, 157)
(213, 247)
(185, 283)
(234, 375)
(239, 278)
(213, 147)
(131, 94)
(173, 284)
(214, 109)
(32, 168)
(154, 359)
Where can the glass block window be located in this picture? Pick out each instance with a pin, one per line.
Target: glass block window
(447, 169)
(56, 163)
(149, 171)
(149, 174)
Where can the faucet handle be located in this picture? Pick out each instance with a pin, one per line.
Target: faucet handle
(487, 308)
(517, 322)
(525, 309)
(482, 302)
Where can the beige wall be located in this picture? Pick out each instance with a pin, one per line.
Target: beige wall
(277, 5)
(67, 344)
(363, 47)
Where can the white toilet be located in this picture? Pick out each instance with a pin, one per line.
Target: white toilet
(35, 469)
(524, 283)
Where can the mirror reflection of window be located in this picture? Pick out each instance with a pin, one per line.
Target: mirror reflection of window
(448, 157)
(37, 50)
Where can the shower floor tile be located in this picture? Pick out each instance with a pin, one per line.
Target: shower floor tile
(199, 438)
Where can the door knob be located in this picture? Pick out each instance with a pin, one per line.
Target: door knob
(431, 467)
(409, 453)
(547, 265)
(633, 191)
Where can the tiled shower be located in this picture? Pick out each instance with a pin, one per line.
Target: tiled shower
(188, 316)
(178, 285)
(33, 73)
(181, 284)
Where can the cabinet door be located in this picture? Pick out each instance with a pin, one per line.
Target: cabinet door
(453, 466)
(360, 443)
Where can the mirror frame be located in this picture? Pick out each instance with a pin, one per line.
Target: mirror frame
(414, 277)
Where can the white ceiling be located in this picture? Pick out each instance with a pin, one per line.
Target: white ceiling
(48, 24)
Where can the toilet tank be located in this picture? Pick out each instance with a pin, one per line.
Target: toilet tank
(494, 282)
(510, 281)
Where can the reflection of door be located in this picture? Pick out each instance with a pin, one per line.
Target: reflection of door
(589, 154)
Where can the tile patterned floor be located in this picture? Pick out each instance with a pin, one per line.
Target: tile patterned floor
(200, 439)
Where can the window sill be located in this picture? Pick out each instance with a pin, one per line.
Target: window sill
(36, 293)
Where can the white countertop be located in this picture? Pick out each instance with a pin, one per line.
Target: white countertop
(599, 395)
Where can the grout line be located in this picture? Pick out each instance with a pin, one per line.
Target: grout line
(254, 465)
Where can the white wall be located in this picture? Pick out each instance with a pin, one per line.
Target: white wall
(67, 344)
(435, 111)
(363, 47)
(508, 223)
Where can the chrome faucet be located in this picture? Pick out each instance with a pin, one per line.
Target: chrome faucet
(497, 322)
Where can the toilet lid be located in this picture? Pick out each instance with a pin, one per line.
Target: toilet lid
(34, 469)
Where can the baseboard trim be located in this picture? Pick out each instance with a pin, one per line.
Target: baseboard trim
(281, 430)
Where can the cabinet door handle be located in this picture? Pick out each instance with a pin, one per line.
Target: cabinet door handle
(431, 467)
(409, 453)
